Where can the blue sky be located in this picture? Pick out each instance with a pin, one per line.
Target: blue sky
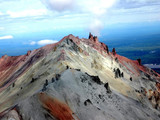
(22, 20)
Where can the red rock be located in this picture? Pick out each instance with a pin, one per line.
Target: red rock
(28, 53)
(94, 42)
(158, 86)
(58, 109)
(104, 47)
(95, 38)
(10, 65)
(90, 36)
(139, 61)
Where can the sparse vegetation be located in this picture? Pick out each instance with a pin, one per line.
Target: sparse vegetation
(67, 67)
(118, 73)
(122, 75)
(88, 101)
(116, 59)
(58, 76)
(53, 80)
(44, 87)
(46, 82)
(106, 85)
(13, 84)
(32, 80)
(96, 79)
(55, 48)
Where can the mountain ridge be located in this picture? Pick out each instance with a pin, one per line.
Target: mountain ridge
(36, 71)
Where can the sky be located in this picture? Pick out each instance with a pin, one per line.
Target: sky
(40, 22)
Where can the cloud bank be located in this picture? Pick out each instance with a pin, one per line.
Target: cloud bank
(1, 28)
(6, 37)
(96, 9)
(89, 15)
(1, 13)
(129, 4)
(43, 42)
(59, 5)
(27, 13)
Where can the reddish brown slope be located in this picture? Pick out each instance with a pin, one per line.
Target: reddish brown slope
(59, 110)
(12, 67)
(8, 65)
(138, 67)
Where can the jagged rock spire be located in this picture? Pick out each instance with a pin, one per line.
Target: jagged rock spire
(105, 47)
(28, 52)
(90, 36)
(139, 61)
(93, 38)
(114, 51)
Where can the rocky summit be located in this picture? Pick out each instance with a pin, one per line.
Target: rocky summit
(77, 79)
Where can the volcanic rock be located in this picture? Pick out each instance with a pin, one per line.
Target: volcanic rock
(90, 36)
(139, 61)
(42, 88)
(114, 51)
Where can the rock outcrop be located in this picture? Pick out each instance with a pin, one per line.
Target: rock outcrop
(90, 36)
(28, 53)
(114, 51)
(98, 45)
(93, 38)
(139, 61)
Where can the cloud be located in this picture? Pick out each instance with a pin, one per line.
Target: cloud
(6, 37)
(96, 10)
(95, 27)
(130, 11)
(32, 43)
(90, 6)
(129, 4)
(27, 13)
(43, 42)
(59, 5)
(1, 13)
(96, 7)
(1, 28)
(1, 1)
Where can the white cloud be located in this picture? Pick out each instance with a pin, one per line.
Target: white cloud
(27, 13)
(91, 6)
(32, 43)
(6, 37)
(1, 13)
(95, 27)
(96, 10)
(59, 5)
(1, 28)
(43, 42)
(96, 7)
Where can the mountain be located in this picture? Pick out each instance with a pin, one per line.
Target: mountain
(77, 79)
